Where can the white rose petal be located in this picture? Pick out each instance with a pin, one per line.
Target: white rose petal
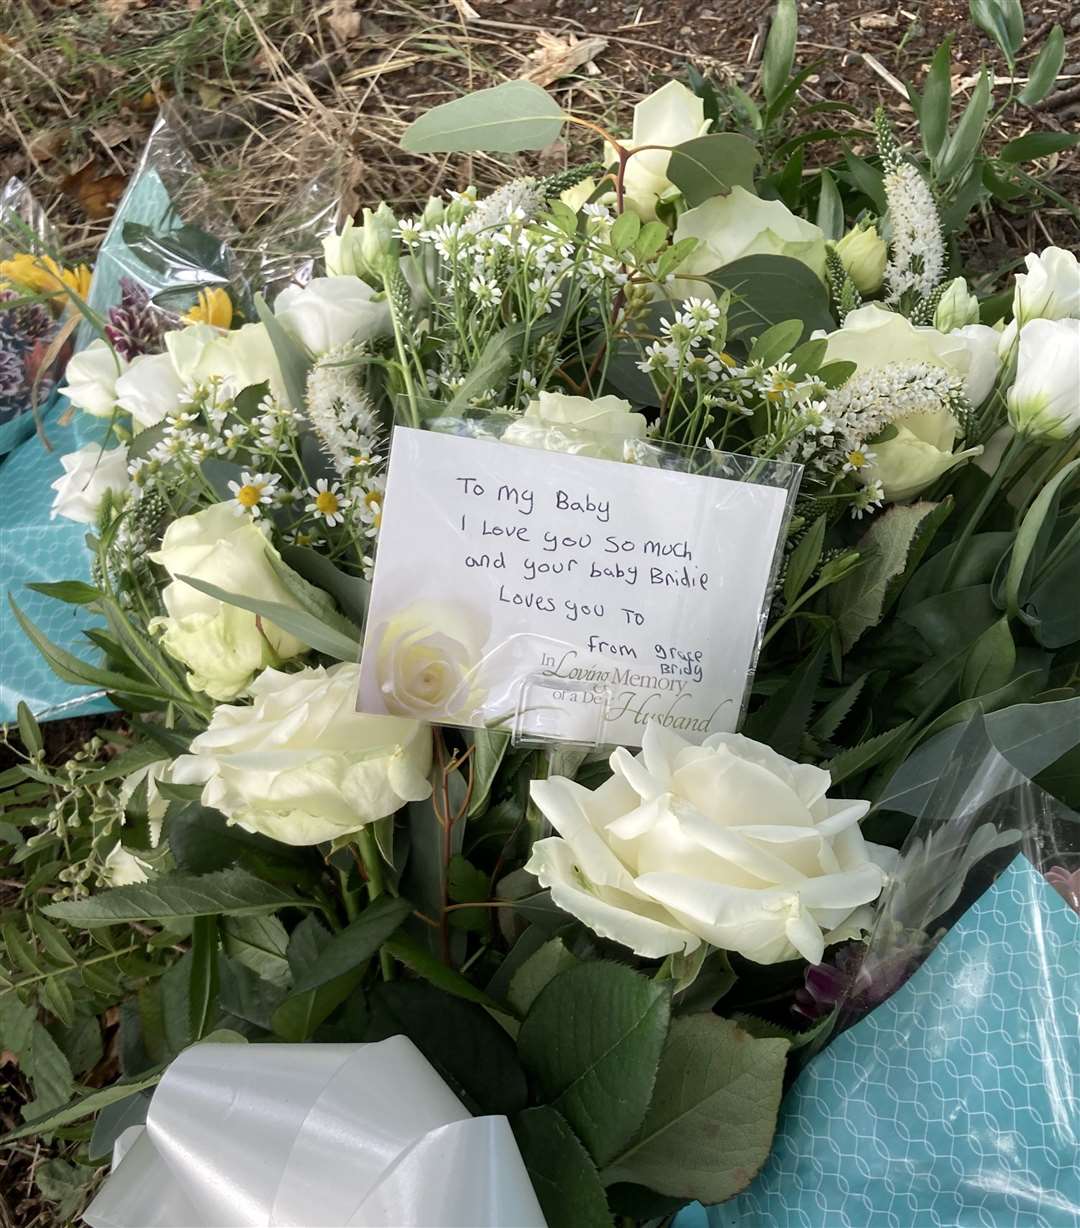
(91, 377)
(301, 765)
(149, 389)
(557, 422)
(668, 117)
(1050, 289)
(1045, 397)
(727, 843)
(330, 311)
(88, 474)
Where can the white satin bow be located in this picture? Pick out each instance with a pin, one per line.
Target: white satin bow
(314, 1136)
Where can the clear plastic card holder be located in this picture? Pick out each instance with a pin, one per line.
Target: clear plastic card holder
(567, 585)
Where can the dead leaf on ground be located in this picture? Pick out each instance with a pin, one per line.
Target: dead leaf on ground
(97, 194)
(559, 57)
(465, 10)
(115, 9)
(116, 131)
(879, 21)
(45, 145)
(344, 21)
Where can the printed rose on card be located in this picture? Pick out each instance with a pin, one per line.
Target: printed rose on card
(567, 597)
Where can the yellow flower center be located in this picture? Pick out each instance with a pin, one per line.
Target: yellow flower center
(779, 388)
(856, 459)
(249, 495)
(373, 500)
(327, 503)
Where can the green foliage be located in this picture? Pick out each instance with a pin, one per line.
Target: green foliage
(562, 1174)
(770, 290)
(505, 119)
(712, 165)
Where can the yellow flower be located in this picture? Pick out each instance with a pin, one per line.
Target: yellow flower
(42, 275)
(213, 307)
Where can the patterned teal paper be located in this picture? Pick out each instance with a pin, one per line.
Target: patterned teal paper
(954, 1104)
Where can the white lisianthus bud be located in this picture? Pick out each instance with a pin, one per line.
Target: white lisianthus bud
(727, 843)
(91, 377)
(1044, 401)
(434, 211)
(1050, 289)
(301, 765)
(88, 474)
(863, 254)
(957, 307)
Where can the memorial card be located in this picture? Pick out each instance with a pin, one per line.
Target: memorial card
(565, 597)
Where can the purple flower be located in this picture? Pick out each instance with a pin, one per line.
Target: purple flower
(1067, 884)
(22, 326)
(858, 978)
(134, 325)
(12, 373)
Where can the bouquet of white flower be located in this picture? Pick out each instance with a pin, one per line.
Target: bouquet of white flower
(607, 947)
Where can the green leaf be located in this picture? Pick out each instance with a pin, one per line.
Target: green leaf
(936, 101)
(48, 1070)
(990, 663)
(868, 179)
(297, 1017)
(776, 341)
(562, 1174)
(625, 230)
(771, 289)
(804, 559)
(73, 592)
(1003, 21)
(294, 363)
(1043, 73)
(424, 964)
(780, 48)
(830, 210)
(592, 1041)
(891, 548)
(356, 943)
(834, 713)
(782, 719)
(712, 165)
(113, 1120)
(1030, 535)
(29, 731)
(858, 758)
(489, 747)
(966, 138)
(178, 897)
(505, 119)
(309, 628)
(259, 943)
(350, 592)
(203, 979)
(464, 1044)
(713, 1113)
(489, 370)
(1037, 145)
(534, 974)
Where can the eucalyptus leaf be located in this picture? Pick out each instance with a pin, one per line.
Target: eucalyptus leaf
(507, 118)
(769, 290)
(293, 362)
(712, 165)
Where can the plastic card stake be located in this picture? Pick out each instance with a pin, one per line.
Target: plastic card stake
(566, 597)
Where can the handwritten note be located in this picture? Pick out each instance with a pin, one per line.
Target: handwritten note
(573, 597)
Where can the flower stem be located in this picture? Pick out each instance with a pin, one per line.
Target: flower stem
(369, 854)
(1012, 453)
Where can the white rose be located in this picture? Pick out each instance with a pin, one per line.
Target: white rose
(983, 360)
(727, 843)
(222, 645)
(873, 337)
(88, 474)
(330, 311)
(91, 377)
(428, 657)
(863, 254)
(669, 116)
(957, 307)
(301, 765)
(917, 450)
(1050, 289)
(584, 426)
(240, 358)
(740, 224)
(149, 389)
(1044, 400)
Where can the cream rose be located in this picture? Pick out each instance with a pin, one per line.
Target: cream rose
(91, 377)
(727, 843)
(916, 451)
(330, 311)
(428, 658)
(740, 224)
(240, 358)
(581, 425)
(88, 474)
(668, 117)
(222, 645)
(149, 389)
(301, 765)
(863, 254)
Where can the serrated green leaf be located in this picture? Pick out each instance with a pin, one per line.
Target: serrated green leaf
(866, 754)
(259, 943)
(356, 943)
(565, 1179)
(507, 118)
(534, 974)
(712, 165)
(592, 1041)
(1043, 73)
(297, 1017)
(178, 897)
(713, 1113)
(48, 1070)
(804, 559)
(432, 969)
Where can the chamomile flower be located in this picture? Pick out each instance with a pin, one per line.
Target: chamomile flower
(253, 492)
(858, 458)
(328, 502)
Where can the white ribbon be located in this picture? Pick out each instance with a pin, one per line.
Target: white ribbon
(313, 1136)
